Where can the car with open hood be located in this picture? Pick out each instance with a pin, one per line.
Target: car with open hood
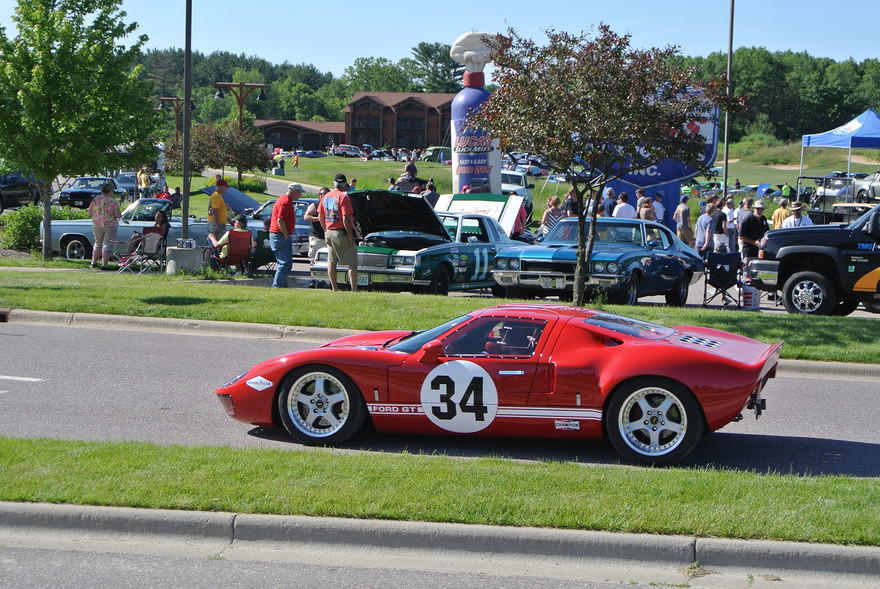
(631, 258)
(407, 246)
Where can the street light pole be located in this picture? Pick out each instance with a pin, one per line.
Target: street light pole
(241, 91)
(175, 102)
(187, 117)
(729, 93)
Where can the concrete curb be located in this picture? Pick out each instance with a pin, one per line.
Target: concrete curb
(228, 530)
(787, 368)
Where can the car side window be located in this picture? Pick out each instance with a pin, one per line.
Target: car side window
(495, 336)
(473, 228)
(657, 238)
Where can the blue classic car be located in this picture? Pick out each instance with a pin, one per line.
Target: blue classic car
(407, 246)
(631, 258)
(84, 189)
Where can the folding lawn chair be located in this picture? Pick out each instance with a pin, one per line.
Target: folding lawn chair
(238, 254)
(149, 255)
(723, 273)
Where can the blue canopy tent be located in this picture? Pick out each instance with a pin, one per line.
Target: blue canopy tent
(863, 132)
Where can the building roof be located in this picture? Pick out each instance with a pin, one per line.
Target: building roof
(391, 99)
(335, 127)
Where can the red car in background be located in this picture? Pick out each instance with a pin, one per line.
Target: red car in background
(516, 370)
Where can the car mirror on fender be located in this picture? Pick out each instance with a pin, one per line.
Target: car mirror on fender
(431, 351)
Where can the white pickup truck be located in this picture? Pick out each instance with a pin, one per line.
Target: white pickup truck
(517, 183)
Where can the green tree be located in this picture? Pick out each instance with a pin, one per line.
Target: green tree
(207, 149)
(603, 103)
(333, 96)
(376, 74)
(431, 68)
(293, 100)
(73, 101)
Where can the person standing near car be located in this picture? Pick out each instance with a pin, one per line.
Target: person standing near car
(104, 211)
(316, 232)
(752, 231)
(282, 225)
(682, 218)
(340, 232)
(218, 214)
(704, 230)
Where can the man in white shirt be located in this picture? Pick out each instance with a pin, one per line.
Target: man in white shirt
(624, 210)
(797, 217)
(659, 209)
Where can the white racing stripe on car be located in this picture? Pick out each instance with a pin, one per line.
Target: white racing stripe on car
(513, 412)
(550, 413)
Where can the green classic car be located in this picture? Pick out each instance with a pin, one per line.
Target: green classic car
(407, 246)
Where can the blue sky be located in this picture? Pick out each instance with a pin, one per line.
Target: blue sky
(331, 35)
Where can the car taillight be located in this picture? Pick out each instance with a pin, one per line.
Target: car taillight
(761, 254)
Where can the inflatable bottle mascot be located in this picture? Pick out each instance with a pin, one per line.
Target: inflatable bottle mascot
(476, 157)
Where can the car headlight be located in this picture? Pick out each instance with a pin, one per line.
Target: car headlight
(599, 267)
(514, 264)
(403, 260)
(612, 267)
(500, 263)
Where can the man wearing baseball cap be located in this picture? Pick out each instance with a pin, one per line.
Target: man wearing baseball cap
(753, 230)
(340, 232)
(282, 226)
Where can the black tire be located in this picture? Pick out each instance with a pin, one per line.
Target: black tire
(328, 413)
(629, 294)
(871, 307)
(862, 196)
(678, 296)
(845, 307)
(665, 436)
(77, 248)
(809, 293)
(440, 281)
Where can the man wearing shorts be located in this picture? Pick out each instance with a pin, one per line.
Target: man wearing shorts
(337, 218)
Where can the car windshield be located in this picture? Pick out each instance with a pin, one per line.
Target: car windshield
(631, 327)
(566, 232)
(511, 178)
(126, 178)
(144, 211)
(90, 183)
(863, 220)
(418, 339)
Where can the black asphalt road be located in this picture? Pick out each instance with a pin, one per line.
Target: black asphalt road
(99, 384)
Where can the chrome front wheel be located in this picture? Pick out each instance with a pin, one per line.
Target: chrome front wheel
(320, 405)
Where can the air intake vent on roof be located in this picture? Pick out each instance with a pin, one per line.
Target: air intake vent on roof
(701, 341)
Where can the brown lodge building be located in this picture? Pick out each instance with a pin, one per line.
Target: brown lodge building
(395, 119)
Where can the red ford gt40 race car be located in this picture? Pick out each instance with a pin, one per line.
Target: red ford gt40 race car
(516, 370)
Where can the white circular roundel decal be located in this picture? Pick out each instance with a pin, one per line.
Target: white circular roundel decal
(459, 396)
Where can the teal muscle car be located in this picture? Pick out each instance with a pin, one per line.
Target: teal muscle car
(407, 246)
(631, 258)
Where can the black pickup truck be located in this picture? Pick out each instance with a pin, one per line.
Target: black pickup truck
(823, 269)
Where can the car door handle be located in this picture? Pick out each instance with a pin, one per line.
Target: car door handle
(511, 372)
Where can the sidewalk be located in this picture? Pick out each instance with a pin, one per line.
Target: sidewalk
(478, 549)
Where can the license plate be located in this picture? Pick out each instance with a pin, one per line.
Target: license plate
(553, 283)
(363, 279)
(78, 202)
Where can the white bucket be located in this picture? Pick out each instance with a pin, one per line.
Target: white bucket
(751, 298)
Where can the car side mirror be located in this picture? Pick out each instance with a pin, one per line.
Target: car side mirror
(431, 351)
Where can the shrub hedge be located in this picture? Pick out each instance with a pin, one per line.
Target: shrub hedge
(21, 227)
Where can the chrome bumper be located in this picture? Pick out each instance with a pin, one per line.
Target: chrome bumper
(767, 271)
(368, 276)
(553, 280)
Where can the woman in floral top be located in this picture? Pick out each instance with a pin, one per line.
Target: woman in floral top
(104, 211)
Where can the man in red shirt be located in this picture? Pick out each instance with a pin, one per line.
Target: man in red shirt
(337, 218)
(281, 226)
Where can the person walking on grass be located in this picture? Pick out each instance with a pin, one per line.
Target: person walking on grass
(104, 211)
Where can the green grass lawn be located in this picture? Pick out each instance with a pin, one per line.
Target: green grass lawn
(495, 491)
(845, 339)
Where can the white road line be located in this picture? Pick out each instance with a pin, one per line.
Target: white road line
(1, 392)
(20, 378)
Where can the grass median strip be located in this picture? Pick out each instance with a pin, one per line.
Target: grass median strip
(442, 489)
(836, 339)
